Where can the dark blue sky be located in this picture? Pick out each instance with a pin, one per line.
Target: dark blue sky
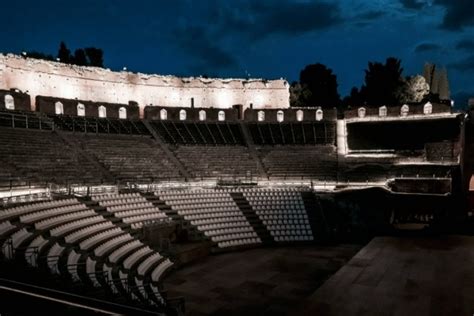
(261, 38)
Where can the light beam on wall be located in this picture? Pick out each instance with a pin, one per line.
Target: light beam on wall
(224, 99)
(259, 100)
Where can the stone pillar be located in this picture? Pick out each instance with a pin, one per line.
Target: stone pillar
(341, 137)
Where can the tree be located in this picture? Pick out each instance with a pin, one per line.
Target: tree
(298, 93)
(64, 54)
(356, 98)
(80, 58)
(383, 82)
(414, 90)
(318, 87)
(94, 56)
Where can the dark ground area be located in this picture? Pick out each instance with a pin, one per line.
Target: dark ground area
(402, 276)
(264, 281)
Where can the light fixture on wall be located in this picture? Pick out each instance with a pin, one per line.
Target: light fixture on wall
(124, 68)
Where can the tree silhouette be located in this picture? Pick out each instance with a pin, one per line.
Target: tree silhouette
(80, 58)
(383, 82)
(356, 98)
(95, 56)
(64, 54)
(318, 87)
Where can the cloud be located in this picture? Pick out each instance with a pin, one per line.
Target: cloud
(464, 65)
(238, 24)
(207, 54)
(459, 14)
(413, 4)
(370, 15)
(427, 47)
(466, 44)
(261, 19)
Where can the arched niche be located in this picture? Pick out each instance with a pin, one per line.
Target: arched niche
(81, 109)
(182, 115)
(221, 116)
(361, 112)
(123, 113)
(319, 114)
(58, 108)
(163, 114)
(404, 110)
(383, 111)
(299, 115)
(261, 116)
(102, 111)
(9, 102)
(427, 108)
(280, 116)
(202, 115)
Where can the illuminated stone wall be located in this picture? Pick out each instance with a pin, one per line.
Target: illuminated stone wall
(38, 77)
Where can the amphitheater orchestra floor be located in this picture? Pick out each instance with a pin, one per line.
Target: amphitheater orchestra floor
(401, 276)
(262, 281)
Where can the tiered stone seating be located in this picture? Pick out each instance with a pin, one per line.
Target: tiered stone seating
(41, 156)
(380, 169)
(74, 241)
(129, 158)
(296, 133)
(201, 133)
(298, 162)
(132, 208)
(282, 212)
(99, 125)
(34, 207)
(217, 162)
(214, 213)
(24, 119)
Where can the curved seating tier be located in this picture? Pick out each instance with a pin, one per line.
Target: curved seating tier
(218, 161)
(132, 208)
(209, 210)
(282, 212)
(74, 241)
(129, 158)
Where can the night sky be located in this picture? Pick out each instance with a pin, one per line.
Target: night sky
(256, 38)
